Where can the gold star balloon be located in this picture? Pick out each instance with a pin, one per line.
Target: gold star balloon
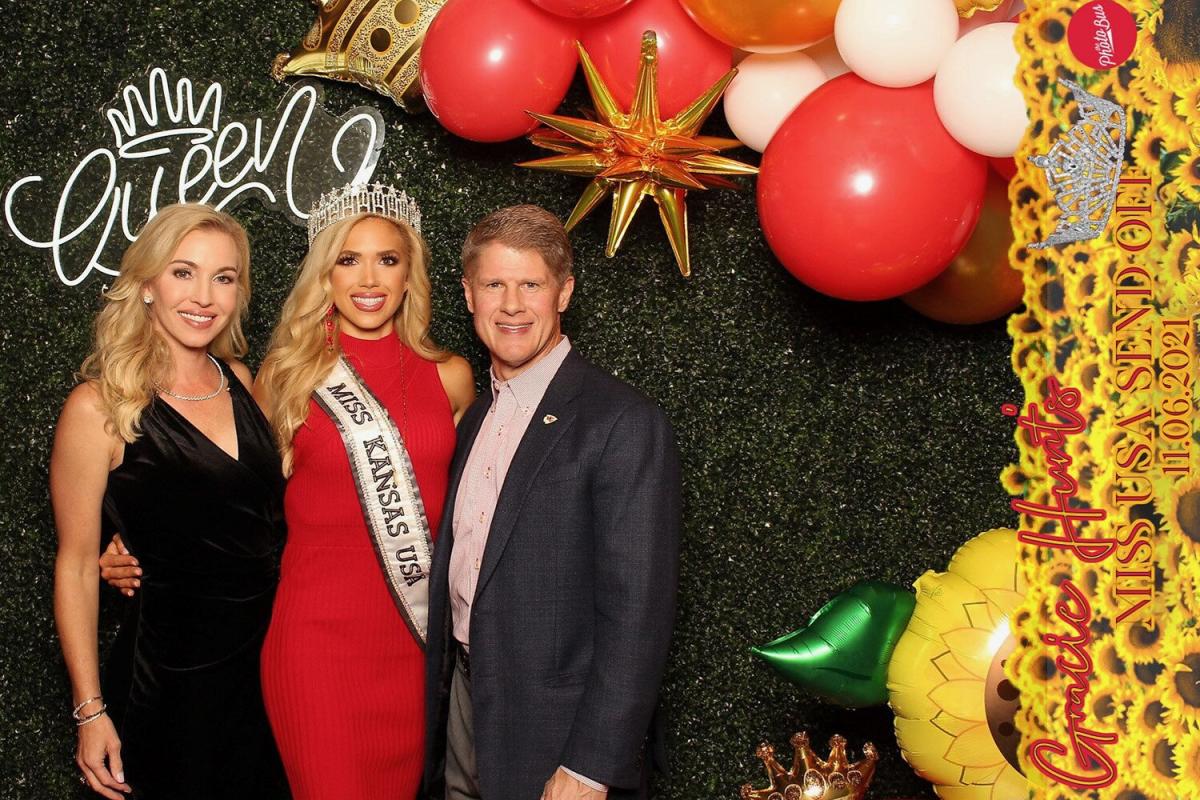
(374, 43)
(634, 155)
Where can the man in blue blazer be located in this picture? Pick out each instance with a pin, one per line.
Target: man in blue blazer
(552, 593)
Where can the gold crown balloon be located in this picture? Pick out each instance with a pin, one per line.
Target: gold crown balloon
(634, 155)
(811, 778)
(374, 43)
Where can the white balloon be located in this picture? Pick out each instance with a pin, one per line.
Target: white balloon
(1000, 13)
(895, 42)
(774, 49)
(765, 91)
(975, 93)
(826, 54)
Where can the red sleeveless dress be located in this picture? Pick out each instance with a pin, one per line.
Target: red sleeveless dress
(343, 678)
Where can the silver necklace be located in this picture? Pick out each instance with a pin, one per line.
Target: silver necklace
(197, 397)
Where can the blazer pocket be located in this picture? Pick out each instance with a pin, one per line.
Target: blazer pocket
(566, 679)
(558, 471)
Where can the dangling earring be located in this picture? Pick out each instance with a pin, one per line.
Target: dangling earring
(147, 299)
(329, 327)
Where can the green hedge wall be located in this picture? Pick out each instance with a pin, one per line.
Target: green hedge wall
(823, 442)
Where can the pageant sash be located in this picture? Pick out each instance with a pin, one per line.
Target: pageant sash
(387, 490)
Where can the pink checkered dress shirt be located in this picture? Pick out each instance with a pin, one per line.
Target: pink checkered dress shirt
(513, 404)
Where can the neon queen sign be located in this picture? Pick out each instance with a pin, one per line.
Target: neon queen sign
(168, 146)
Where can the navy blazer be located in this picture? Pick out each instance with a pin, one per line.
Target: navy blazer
(575, 603)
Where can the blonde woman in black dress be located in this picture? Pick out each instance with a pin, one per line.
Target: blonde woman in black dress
(163, 441)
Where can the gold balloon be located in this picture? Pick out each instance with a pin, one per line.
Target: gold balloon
(765, 25)
(632, 155)
(967, 8)
(811, 778)
(980, 284)
(374, 43)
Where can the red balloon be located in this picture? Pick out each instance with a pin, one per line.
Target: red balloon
(689, 60)
(581, 9)
(484, 63)
(862, 193)
(1005, 166)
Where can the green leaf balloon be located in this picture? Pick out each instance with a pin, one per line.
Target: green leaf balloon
(842, 654)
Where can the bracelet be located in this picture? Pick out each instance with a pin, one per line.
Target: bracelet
(92, 717)
(75, 715)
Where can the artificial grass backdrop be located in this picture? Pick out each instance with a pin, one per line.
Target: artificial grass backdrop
(823, 442)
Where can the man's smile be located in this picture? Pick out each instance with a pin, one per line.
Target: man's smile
(514, 327)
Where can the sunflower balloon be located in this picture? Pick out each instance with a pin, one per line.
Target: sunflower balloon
(939, 662)
(954, 706)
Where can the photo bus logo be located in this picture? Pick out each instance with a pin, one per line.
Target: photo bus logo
(1102, 34)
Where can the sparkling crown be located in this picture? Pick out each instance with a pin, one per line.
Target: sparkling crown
(351, 199)
(810, 778)
(1083, 168)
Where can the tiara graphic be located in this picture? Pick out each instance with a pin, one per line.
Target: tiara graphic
(351, 199)
(1083, 167)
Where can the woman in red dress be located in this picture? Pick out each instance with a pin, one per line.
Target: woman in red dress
(343, 673)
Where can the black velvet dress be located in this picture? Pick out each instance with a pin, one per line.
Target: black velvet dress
(182, 683)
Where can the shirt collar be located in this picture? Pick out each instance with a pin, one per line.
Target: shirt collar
(530, 386)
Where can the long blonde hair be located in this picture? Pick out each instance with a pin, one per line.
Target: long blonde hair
(299, 357)
(129, 356)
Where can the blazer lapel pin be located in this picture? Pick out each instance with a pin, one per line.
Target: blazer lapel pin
(549, 419)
